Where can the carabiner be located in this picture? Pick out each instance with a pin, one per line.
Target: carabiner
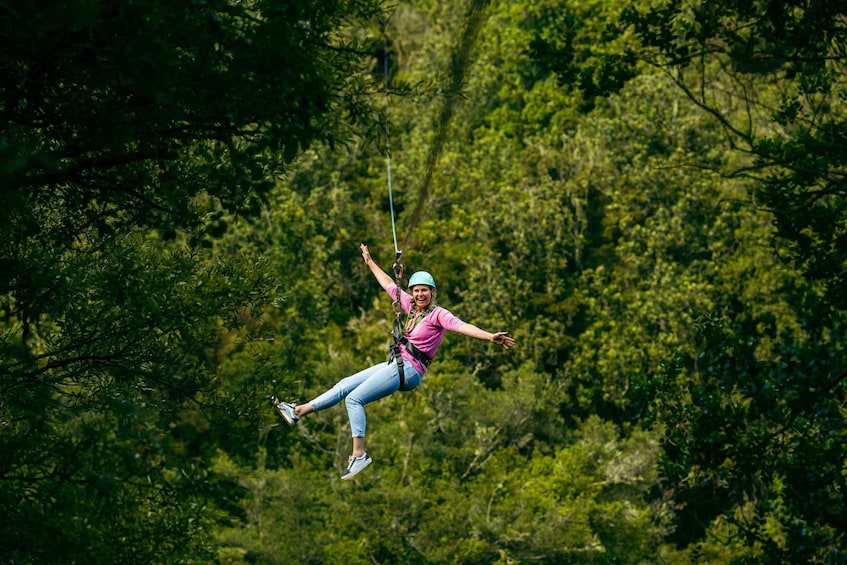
(398, 268)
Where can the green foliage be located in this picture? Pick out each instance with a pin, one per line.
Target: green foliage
(648, 196)
(93, 447)
(603, 242)
(131, 135)
(578, 43)
(118, 105)
(758, 396)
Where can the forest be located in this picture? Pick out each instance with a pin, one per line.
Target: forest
(649, 196)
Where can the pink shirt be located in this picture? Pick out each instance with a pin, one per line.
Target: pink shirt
(427, 334)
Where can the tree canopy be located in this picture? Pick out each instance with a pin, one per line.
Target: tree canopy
(649, 196)
(131, 131)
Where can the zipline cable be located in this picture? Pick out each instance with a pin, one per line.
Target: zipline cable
(397, 267)
(388, 139)
(459, 62)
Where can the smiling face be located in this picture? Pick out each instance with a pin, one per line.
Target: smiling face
(422, 295)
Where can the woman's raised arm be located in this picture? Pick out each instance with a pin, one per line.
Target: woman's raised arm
(382, 277)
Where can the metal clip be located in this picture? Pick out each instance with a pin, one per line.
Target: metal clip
(398, 268)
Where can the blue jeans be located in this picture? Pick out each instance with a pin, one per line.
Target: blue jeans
(365, 387)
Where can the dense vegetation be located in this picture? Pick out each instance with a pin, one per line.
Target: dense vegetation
(651, 197)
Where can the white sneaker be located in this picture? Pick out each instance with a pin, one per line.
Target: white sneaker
(355, 465)
(286, 410)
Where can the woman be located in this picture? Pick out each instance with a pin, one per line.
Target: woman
(425, 327)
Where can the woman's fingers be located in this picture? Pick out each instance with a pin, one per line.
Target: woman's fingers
(500, 338)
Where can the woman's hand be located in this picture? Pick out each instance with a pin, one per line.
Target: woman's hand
(503, 340)
(366, 255)
(382, 277)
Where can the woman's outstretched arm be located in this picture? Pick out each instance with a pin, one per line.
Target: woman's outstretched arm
(499, 338)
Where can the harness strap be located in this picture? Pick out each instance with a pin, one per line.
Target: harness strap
(415, 352)
(394, 354)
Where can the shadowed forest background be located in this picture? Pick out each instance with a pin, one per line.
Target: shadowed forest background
(651, 197)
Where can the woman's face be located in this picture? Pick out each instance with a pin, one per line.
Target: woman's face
(422, 296)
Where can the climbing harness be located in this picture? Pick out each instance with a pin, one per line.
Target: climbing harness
(412, 321)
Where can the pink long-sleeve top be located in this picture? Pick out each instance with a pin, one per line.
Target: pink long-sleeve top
(428, 333)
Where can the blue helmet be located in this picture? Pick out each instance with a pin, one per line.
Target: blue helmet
(421, 277)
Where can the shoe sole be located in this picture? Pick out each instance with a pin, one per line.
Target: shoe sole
(348, 476)
(282, 412)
